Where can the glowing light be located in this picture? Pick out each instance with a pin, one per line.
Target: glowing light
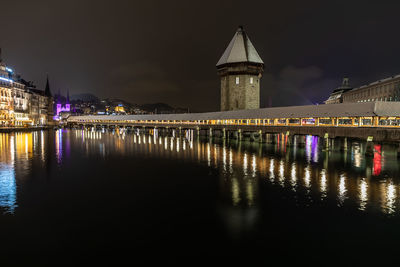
(254, 165)
(390, 198)
(224, 158)
(293, 180)
(377, 167)
(357, 156)
(281, 173)
(8, 188)
(250, 192)
(342, 188)
(308, 147)
(323, 183)
(235, 192)
(245, 163)
(208, 154)
(230, 160)
(307, 177)
(5, 79)
(363, 188)
(271, 170)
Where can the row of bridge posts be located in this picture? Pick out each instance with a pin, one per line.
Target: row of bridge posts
(253, 136)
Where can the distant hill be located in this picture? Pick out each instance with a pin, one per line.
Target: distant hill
(112, 102)
(85, 98)
(162, 108)
(157, 107)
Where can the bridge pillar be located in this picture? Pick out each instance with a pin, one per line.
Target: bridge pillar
(344, 144)
(210, 132)
(398, 150)
(267, 138)
(288, 138)
(326, 142)
(240, 134)
(223, 133)
(273, 138)
(260, 136)
(369, 149)
(252, 136)
(234, 134)
(301, 140)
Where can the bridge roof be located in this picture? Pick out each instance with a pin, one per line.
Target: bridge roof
(240, 49)
(367, 109)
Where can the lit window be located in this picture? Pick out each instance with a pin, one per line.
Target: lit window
(251, 80)
(237, 80)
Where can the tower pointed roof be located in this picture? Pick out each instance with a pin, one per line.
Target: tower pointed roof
(47, 90)
(240, 49)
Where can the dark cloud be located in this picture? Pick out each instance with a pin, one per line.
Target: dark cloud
(150, 51)
(296, 86)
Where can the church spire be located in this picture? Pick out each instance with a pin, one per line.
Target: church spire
(47, 90)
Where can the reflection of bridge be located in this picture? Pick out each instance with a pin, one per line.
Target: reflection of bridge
(305, 171)
(379, 121)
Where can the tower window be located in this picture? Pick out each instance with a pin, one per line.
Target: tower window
(237, 80)
(251, 80)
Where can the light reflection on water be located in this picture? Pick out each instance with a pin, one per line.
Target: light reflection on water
(345, 178)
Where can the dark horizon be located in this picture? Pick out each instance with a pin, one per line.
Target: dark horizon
(166, 52)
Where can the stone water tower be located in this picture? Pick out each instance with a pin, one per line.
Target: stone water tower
(240, 69)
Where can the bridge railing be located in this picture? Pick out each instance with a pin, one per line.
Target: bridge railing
(392, 122)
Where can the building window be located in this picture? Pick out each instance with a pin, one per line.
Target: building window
(251, 80)
(237, 80)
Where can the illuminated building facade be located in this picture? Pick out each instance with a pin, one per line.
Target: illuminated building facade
(21, 104)
(336, 96)
(120, 109)
(383, 90)
(62, 107)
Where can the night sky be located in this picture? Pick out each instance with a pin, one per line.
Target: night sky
(166, 51)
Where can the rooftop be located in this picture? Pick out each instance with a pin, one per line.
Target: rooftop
(240, 49)
(367, 109)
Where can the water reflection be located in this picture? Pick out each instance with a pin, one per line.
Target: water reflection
(8, 188)
(325, 175)
(303, 170)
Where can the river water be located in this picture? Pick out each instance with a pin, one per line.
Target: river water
(71, 196)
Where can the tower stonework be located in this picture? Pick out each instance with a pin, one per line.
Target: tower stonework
(240, 69)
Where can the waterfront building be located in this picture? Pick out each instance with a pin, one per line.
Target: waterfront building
(240, 69)
(383, 90)
(21, 103)
(336, 96)
(41, 104)
(62, 106)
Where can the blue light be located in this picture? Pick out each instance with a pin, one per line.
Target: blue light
(5, 79)
(9, 70)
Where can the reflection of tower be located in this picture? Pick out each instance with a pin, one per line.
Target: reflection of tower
(240, 69)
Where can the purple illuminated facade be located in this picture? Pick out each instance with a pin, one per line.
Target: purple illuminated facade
(62, 107)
